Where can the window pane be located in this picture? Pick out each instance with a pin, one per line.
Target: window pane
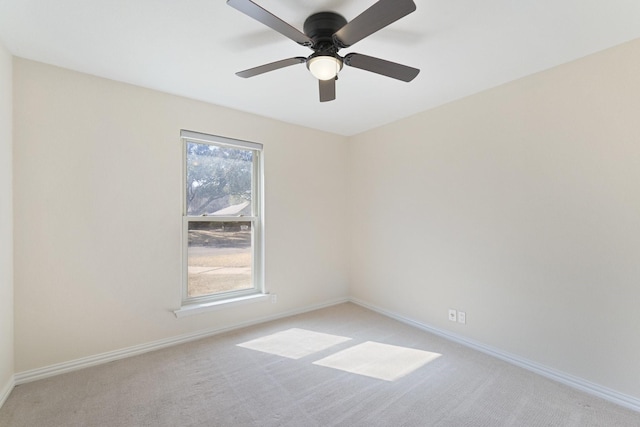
(219, 257)
(218, 180)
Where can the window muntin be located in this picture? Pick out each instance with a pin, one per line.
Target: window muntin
(222, 218)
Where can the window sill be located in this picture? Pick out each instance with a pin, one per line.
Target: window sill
(191, 309)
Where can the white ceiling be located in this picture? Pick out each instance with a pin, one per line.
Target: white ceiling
(193, 48)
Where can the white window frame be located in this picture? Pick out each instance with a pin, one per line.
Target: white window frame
(205, 302)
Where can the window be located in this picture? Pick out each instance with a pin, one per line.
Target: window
(222, 218)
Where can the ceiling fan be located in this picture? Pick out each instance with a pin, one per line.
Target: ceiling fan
(326, 33)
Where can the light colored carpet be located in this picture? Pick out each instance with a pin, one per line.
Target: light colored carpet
(340, 366)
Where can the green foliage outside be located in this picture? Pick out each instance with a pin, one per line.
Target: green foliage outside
(217, 177)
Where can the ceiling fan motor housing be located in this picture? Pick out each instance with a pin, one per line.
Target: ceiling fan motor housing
(320, 28)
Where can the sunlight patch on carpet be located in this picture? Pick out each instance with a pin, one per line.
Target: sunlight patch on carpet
(377, 360)
(294, 343)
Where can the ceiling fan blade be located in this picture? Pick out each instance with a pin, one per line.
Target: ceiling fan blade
(271, 66)
(327, 90)
(260, 14)
(378, 16)
(381, 66)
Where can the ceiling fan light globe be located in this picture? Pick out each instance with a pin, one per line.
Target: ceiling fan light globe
(324, 67)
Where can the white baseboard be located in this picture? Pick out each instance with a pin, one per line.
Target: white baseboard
(98, 359)
(6, 390)
(561, 377)
(85, 362)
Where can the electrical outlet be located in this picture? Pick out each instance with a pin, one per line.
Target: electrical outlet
(462, 317)
(453, 315)
(274, 298)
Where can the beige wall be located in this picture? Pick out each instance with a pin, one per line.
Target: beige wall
(520, 206)
(6, 218)
(98, 214)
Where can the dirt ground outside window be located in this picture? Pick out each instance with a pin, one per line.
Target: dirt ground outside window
(219, 261)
